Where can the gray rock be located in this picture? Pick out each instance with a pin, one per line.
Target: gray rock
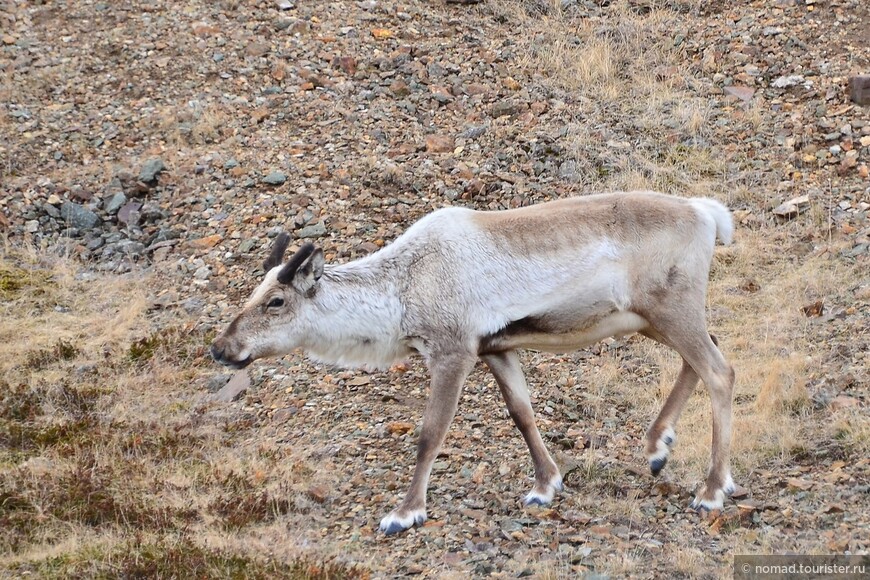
(193, 305)
(313, 231)
(130, 248)
(859, 89)
(150, 171)
(570, 170)
(51, 210)
(235, 388)
(856, 251)
(230, 163)
(275, 178)
(78, 216)
(95, 244)
(217, 382)
(114, 187)
(503, 108)
(473, 132)
(129, 214)
(202, 273)
(114, 203)
(247, 245)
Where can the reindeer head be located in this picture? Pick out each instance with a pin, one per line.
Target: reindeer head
(274, 319)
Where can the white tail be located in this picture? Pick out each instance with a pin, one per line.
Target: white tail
(720, 214)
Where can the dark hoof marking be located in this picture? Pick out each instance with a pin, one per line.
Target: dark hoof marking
(656, 465)
(394, 528)
(668, 440)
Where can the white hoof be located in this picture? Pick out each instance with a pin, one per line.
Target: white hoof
(717, 503)
(395, 523)
(728, 487)
(545, 496)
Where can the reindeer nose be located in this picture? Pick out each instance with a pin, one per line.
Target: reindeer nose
(217, 353)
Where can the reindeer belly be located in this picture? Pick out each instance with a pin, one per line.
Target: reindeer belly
(552, 334)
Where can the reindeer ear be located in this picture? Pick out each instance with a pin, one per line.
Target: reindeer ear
(303, 269)
(276, 256)
(308, 273)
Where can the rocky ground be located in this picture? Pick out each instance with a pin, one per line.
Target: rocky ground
(171, 141)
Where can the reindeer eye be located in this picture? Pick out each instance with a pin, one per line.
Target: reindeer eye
(275, 303)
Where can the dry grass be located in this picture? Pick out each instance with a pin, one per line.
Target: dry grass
(603, 61)
(627, 85)
(104, 468)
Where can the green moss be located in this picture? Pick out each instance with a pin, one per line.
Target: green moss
(173, 343)
(61, 351)
(14, 281)
(143, 349)
(11, 282)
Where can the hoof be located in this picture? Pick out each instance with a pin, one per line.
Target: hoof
(729, 486)
(656, 465)
(659, 458)
(701, 504)
(392, 528)
(538, 497)
(707, 501)
(533, 500)
(395, 523)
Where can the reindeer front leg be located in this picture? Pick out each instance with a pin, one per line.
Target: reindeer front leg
(448, 375)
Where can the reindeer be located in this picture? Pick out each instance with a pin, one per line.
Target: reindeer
(461, 285)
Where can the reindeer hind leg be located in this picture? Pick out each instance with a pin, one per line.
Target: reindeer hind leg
(701, 359)
(508, 373)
